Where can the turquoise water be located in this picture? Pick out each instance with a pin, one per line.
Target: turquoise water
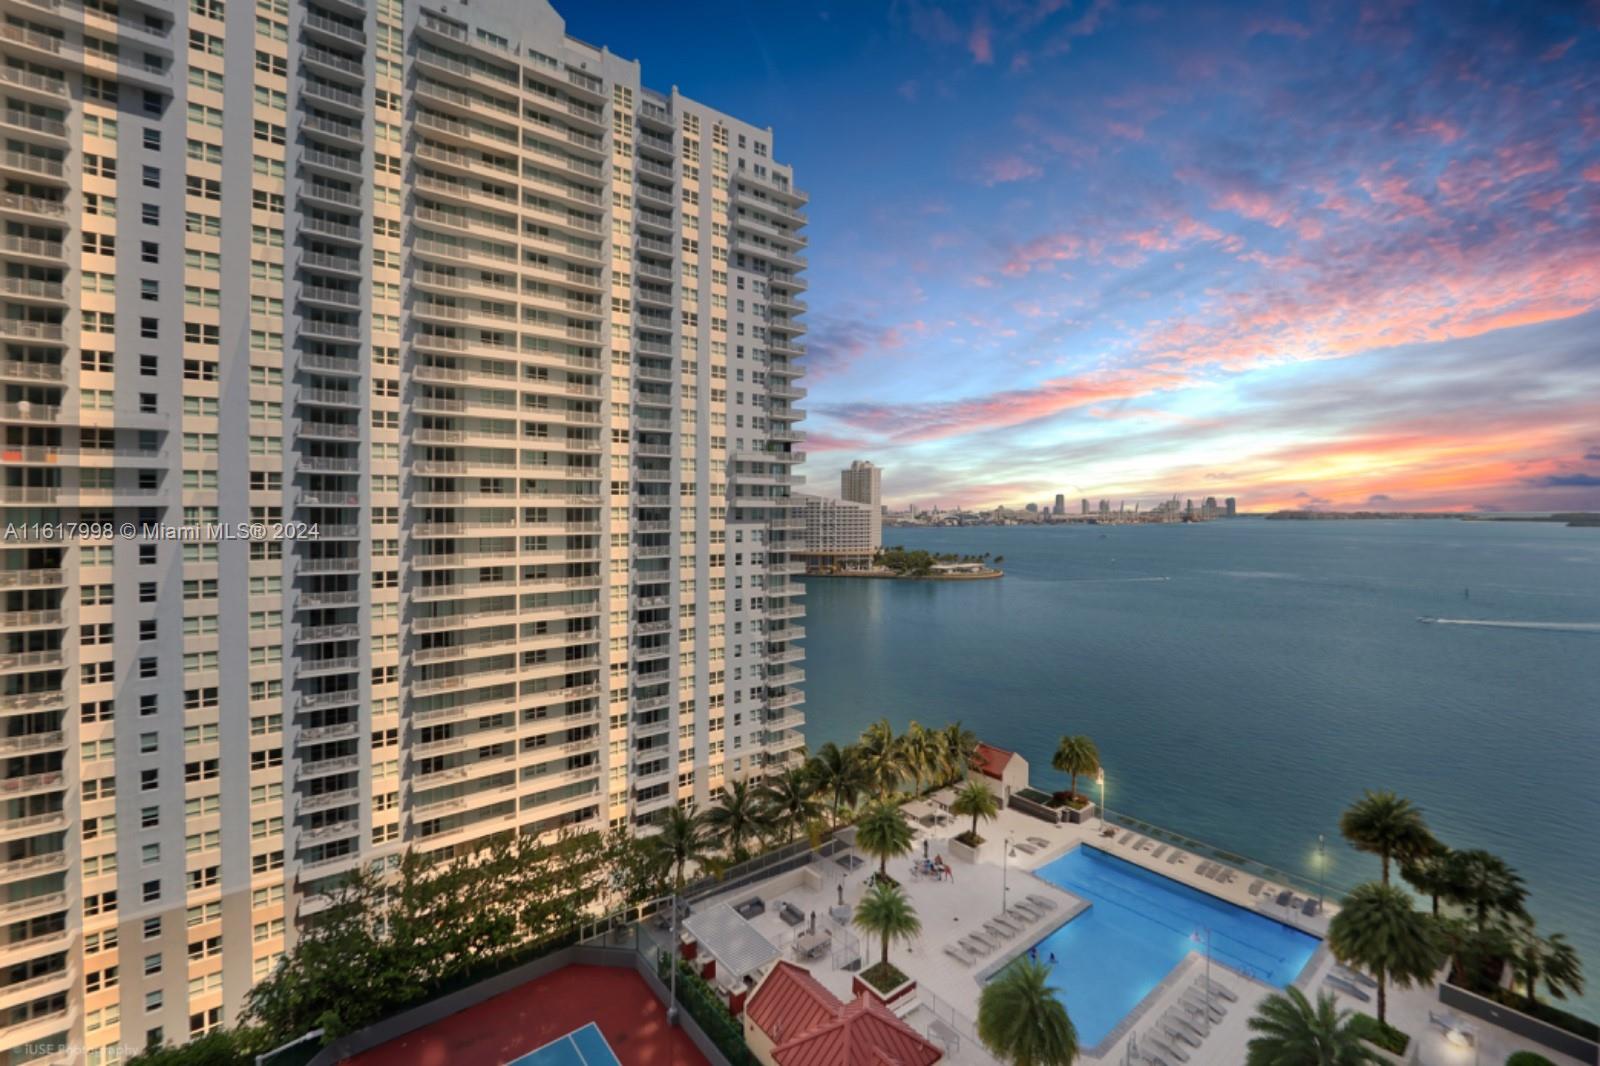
(1246, 680)
(1140, 925)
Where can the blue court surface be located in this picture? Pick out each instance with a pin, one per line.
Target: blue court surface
(581, 1047)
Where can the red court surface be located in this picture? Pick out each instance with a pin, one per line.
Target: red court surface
(499, 1030)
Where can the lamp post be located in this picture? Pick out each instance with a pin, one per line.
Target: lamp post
(1322, 869)
(1100, 779)
(1005, 866)
(672, 957)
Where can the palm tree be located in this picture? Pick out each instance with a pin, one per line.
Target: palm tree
(1295, 1033)
(885, 912)
(1076, 755)
(1379, 930)
(1485, 883)
(791, 800)
(1431, 874)
(918, 755)
(683, 839)
(960, 748)
(880, 753)
(1383, 824)
(976, 799)
(839, 773)
(1473, 952)
(883, 833)
(1552, 959)
(1023, 1021)
(739, 817)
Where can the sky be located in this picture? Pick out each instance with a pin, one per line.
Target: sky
(1337, 255)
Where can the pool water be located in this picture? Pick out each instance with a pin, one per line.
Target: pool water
(1138, 926)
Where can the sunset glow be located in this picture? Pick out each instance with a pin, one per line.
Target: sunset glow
(1343, 256)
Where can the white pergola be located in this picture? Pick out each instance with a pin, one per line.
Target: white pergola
(737, 946)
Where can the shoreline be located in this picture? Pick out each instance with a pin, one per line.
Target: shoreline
(888, 575)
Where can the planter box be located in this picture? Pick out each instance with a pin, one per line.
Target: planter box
(1524, 1025)
(889, 999)
(1038, 810)
(963, 852)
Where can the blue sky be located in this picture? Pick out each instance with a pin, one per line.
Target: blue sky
(1333, 255)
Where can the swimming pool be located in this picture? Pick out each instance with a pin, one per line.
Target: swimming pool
(1138, 926)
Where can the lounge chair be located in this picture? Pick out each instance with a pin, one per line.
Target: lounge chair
(1221, 874)
(1043, 903)
(1204, 869)
(1027, 911)
(1354, 976)
(1339, 984)
(1311, 907)
(1255, 886)
(1006, 927)
(956, 953)
(1218, 989)
(1126, 836)
(977, 938)
(994, 930)
(1166, 1048)
(1199, 1028)
(1198, 1004)
(1176, 1031)
(975, 947)
(1283, 897)
(1027, 849)
(1162, 850)
(1021, 917)
(1039, 842)
(1179, 857)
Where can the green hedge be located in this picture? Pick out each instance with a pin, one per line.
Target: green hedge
(1528, 1058)
(706, 1007)
(1380, 1033)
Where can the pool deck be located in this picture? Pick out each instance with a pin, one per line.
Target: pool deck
(947, 990)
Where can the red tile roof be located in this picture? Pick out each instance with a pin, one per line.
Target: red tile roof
(991, 761)
(790, 1002)
(864, 1033)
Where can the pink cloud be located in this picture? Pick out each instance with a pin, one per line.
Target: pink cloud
(1556, 51)
(1277, 26)
(1592, 172)
(979, 42)
(1041, 252)
(1010, 168)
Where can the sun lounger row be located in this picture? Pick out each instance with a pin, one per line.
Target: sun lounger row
(1039, 842)
(1339, 984)
(1186, 1022)
(1042, 903)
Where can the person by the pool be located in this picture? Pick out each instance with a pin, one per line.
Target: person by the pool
(1052, 958)
(1033, 953)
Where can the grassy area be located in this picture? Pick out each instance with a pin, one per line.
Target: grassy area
(884, 976)
(1380, 1034)
(1528, 1058)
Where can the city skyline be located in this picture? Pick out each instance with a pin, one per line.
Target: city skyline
(1334, 257)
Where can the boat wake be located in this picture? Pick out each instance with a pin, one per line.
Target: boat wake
(1554, 627)
(1111, 580)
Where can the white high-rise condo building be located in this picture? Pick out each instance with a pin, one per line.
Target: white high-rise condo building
(505, 342)
(862, 482)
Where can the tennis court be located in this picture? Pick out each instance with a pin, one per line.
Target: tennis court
(581, 1047)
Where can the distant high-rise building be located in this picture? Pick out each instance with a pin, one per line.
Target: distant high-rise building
(1061, 504)
(1188, 507)
(862, 482)
(1105, 506)
(1232, 505)
(839, 534)
(1031, 508)
(1085, 506)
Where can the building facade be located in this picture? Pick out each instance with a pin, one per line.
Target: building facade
(839, 534)
(398, 413)
(862, 482)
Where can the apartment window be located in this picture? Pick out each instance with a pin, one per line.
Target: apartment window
(151, 892)
(152, 177)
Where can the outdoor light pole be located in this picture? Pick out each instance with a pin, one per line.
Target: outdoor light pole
(1005, 864)
(1100, 779)
(1322, 869)
(672, 958)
